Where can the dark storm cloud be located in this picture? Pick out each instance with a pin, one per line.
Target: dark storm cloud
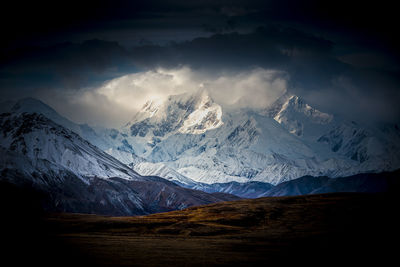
(66, 65)
(274, 47)
(36, 21)
(75, 65)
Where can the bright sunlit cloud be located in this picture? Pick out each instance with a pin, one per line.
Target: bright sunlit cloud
(257, 88)
(116, 101)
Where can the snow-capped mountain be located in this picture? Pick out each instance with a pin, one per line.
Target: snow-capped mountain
(192, 140)
(373, 148)
(187, 113)
(298, 117)
(100, 137)
(76, 176)
(284, 141)
(39, 138)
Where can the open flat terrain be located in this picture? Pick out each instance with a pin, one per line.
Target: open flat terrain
(316, 229)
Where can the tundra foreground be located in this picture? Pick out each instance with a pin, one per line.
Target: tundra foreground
(316, 229)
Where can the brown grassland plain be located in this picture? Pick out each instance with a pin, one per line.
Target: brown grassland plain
(314, 229)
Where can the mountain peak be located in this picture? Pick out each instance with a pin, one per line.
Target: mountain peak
(39, 138)
(33, 105)
(297, 104)
(293, 113)
(190, 112)
(206, 116)
(149, 109)
(30, 105)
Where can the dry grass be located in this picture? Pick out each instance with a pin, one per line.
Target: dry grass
(244, 232)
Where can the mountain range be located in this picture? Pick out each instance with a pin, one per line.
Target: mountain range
(199, 139)
(190, 135)
(204, 151)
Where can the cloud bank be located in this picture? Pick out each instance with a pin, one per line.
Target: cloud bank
(117, 100)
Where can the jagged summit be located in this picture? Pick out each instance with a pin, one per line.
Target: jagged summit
(206, 116)
(293, 113)
(192, 113)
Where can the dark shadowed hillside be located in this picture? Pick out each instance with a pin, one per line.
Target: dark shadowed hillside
(361, 183)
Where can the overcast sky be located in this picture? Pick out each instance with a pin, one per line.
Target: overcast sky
(340, 56)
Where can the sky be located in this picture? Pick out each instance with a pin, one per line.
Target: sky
(340, 56)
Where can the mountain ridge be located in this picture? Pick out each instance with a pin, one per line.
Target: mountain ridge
(311, 144)
(249, 144)
(76, 176)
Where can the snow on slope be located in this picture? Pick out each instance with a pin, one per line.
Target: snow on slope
(373, 148)
(103, 138)
(38, 138)
(297, 116)
(31, 105)
(149, 168)
(185, 113)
